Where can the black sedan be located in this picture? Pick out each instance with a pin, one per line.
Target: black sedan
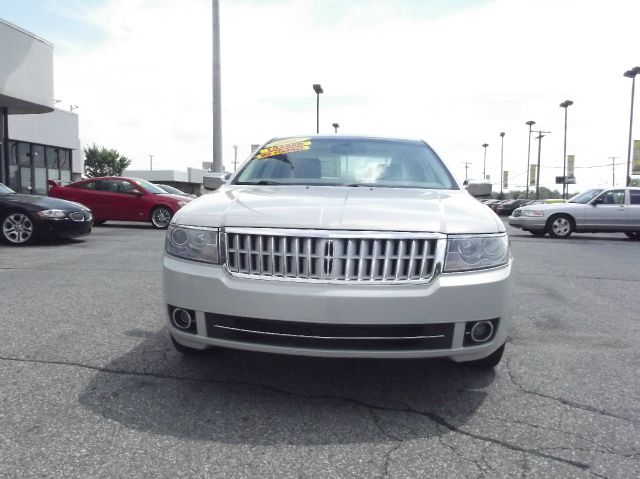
(25, 218)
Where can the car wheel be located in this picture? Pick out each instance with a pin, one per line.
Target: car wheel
(489, 362)
(538, 233)
(161, 217)
(634, 235)
(560, 226)
(17, 228)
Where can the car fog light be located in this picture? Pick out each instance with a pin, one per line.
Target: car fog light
(481, 331)
(181, 318)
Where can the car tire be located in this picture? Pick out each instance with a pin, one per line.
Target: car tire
(187, 351)
(161, 217)
(634, 235)
(17, 228)
(489, 362)
(560, 226)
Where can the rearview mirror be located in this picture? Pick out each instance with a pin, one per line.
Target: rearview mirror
(478, 188)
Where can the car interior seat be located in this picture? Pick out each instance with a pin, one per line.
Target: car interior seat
(307, 168)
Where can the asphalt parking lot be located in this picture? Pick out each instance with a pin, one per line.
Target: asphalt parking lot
(90, 385)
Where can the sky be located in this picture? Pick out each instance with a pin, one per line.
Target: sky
(454, 73)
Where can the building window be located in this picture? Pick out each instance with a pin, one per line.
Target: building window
(32, 165)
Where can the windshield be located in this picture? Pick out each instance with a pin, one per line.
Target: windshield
(171, 189)
(150, 187)
(5, 190)
(348, 162)
(585, 197)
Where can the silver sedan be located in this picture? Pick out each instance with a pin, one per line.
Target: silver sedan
(594, 211)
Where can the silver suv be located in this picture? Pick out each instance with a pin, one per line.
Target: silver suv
(340, 246)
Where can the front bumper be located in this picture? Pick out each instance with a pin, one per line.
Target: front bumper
(64, 227)
(450, 301)
(528, 223)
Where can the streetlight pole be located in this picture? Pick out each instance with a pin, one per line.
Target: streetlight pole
(565, 104)
(530, 123)
(150, 162)
(484, 162)
(501, 161)
(235, 157)
(335, 126)
(216, 88)
(540, 137)
(318, 89)
(631, 74)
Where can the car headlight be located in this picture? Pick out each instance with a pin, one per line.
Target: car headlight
(469, 252)
(52, 214)
(532, 213)
(195, 244)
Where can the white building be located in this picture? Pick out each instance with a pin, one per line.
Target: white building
(37, 141)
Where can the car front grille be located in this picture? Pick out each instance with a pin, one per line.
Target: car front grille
(334, 256)
(329, 336)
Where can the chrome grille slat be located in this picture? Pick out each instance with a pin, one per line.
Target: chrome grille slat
(331, 256)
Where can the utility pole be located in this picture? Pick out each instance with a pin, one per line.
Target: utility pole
(613, 169)
(466, 169)
(151, 162)
(541, 135)
(216, 87)
(484, 162)
(235, 157)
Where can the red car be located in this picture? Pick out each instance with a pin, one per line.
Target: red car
(122, 199)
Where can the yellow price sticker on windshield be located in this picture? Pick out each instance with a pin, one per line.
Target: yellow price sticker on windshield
(281, 147)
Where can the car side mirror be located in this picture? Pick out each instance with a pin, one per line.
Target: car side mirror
(597, 201)
(478, 188)
(213, 181)
(136, 192)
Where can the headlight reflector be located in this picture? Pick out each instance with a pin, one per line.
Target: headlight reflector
(195, 244)
(470, 252)
(532, 213)
(52, 214)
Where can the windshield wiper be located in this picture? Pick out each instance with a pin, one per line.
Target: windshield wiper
(261, 182)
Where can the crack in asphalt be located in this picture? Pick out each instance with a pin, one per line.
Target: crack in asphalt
(598, 278)
(603, 448)
(439, 420)
(566, 402)
(386, 457)
(457, 452)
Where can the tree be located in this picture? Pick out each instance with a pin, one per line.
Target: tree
(100, 161)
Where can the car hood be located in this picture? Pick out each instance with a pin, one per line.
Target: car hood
(344, 208)
(553, 206)
(174, 197)
(44, 202)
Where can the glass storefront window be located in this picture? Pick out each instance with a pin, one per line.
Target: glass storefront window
(52, 157)
(24, 154)
(31, 165)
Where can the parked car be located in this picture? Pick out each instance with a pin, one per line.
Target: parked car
(594, 211)
(340, 246)
(508, 206)
(25, 218)
(174, 191)
(122, 199)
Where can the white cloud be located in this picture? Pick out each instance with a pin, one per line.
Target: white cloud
(455, 79)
